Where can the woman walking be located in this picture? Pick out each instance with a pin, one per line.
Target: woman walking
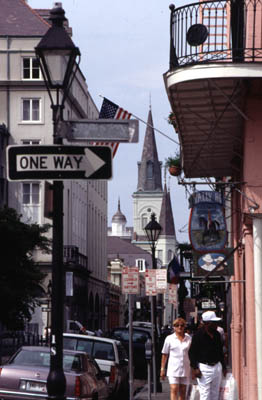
(175, 349)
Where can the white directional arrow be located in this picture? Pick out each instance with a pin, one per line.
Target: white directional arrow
(92, 162)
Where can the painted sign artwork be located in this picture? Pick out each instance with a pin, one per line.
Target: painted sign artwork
(204, 263)
(207, 224)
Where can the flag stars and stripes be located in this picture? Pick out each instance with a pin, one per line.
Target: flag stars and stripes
(113, 111)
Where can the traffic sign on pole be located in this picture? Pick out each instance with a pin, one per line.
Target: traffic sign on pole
(58, 162)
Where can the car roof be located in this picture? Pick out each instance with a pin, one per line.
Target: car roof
(47, 349)
(135, 328)
(97, 338)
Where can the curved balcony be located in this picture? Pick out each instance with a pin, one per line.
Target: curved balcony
(215, 61)
(216, 31)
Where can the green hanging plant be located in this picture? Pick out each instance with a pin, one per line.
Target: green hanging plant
(173, 163)
(172, 120)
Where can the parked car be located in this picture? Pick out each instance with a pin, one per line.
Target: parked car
(140, 336)
(144, 324)
(110, 355)
(25, 375)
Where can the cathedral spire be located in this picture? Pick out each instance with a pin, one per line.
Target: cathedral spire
(166, 219)
(149, 169)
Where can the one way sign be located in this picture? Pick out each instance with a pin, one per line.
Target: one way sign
(58, 162)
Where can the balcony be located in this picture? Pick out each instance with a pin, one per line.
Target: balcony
(75, 259)
(215, 59)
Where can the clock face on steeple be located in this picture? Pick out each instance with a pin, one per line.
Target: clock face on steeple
(149, 210)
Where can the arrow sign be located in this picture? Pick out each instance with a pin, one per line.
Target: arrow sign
(58, 162)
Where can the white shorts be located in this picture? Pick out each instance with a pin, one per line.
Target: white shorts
(178, 380)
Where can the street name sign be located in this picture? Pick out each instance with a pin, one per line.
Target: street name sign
(27, 163)
(101, 130)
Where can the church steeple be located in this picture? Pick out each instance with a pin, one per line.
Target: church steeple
(166, 219)
(149, 169)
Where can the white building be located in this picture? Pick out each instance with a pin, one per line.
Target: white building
(25, 110)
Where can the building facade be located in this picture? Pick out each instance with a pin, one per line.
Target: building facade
(214, 88)
(27, 116)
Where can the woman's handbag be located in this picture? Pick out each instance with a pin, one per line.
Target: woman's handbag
(228, 388)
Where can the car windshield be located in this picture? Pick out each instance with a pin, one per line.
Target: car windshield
(71, 362)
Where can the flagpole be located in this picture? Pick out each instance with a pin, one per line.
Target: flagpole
(150, 126)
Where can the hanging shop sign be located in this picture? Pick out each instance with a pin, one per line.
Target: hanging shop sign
(207, 224)
(215, 264)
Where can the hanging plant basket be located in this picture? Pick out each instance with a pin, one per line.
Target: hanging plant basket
(174, 170)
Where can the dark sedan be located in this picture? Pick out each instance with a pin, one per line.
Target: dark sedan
(140, 336)
(25, 375)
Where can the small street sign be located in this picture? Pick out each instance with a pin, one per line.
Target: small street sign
(58, 162)
(150, 280)
(161, 280)
(172, 294)
(130, 280)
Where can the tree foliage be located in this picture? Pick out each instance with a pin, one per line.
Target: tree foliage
(20, 276)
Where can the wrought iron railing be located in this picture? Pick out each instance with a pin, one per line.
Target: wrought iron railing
(72, 256)
(216, 31)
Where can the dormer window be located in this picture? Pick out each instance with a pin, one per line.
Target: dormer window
(141, 264)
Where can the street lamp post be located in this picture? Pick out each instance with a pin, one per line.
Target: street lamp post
(153, 230)
(57, 56)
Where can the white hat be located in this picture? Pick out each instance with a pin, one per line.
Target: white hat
(207, 258)
(210, 316)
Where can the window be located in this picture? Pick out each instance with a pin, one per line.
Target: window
(140, 263)
(31, 69)
(31, 110)
(144, 221)
(150, 170)
(31, 142)
(31, 202)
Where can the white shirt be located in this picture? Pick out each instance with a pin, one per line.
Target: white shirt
(178, 362)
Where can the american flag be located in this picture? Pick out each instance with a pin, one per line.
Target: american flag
(173, 271)
(113, 111)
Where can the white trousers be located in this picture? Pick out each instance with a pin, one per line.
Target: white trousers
(210, 381)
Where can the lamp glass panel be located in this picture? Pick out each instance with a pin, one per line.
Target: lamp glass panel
(57, 66)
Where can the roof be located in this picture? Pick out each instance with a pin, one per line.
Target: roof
(119, 216)
(17, 18)
(118, 246)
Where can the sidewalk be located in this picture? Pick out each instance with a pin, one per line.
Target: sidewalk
(143, 393)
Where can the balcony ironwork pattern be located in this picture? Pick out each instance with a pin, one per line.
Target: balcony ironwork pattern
(234, 32)
(72, 256)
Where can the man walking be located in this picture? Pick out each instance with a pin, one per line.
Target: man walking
(207, 357)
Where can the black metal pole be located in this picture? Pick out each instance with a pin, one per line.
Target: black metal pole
(56, 382)
(153, 322)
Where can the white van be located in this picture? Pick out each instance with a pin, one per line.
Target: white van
(109, 354)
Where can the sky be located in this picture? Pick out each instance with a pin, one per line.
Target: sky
(124, 49)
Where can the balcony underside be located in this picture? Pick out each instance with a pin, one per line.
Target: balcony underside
(209, 113)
